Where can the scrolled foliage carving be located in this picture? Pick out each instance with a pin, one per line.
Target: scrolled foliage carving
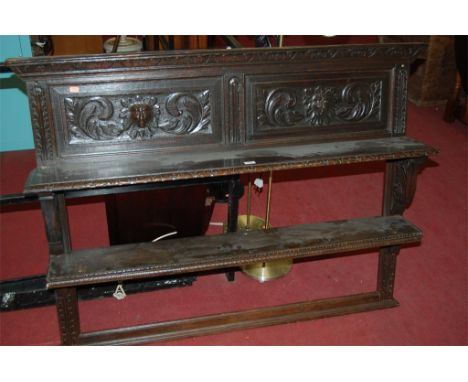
(40, 120)
(187, 113)
(90, 118)
(137, 117)
(403, 186)
(401, 99)
(319, 105)
(359, 101)
(280, 107)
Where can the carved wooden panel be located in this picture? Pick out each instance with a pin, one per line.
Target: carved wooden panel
(317, 106)
(137, 117)
(198, 101)
(151, 115)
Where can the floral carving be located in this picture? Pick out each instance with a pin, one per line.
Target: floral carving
(320, 105)
(188, 114)
(401, 99)
(137, 117)
(40, 120)
(280, 107)
(89, 118)
(360, 101)
(140, 116)
(403, 186)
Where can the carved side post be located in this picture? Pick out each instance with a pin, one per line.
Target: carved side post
(55, 215)
(400, 186)
(68, 315)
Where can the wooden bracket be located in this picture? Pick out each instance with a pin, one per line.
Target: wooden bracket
(399, 189)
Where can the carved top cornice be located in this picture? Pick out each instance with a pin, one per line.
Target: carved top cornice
(43, 66)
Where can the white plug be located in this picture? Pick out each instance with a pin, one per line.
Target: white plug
(258, 182)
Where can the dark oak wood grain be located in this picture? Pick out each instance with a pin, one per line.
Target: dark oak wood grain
(126, 105)
(222, 251)
(222, 322)
(114, 123)
(76, 174)
(331, 54)
(68, 315)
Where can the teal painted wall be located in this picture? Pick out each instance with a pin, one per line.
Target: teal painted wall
(15, 120)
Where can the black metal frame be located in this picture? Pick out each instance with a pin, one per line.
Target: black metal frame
(31, 292)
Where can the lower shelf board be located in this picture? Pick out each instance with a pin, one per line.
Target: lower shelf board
(203, 253)
(126, 262)
(222, 322)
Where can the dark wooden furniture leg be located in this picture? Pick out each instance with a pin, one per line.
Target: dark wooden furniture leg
(235, 192)
(68, 315)
(54, 210)
(400, 186)
(55, 215)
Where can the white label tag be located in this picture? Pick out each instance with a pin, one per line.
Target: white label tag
(249, 162)
(258, 182)
(119, 293)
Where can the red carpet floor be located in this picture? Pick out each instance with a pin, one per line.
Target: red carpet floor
(431, 281)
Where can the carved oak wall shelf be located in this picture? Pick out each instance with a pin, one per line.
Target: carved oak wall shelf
(103, 123)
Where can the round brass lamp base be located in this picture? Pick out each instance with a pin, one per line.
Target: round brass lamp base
(262, 271)
(268, 271)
